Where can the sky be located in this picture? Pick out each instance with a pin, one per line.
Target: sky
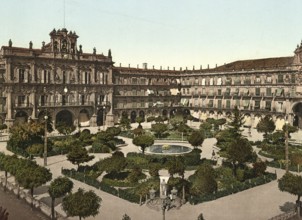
(167, 33)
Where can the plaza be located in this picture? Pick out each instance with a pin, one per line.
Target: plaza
(261, 202)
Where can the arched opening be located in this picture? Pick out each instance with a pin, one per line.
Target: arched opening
(100, 118)
(297, 110)
(172, 113)
(21, 117)
(133, 116)
(296, 121)
(142, 115)
(280, 122)
(247, 120)
(64, 117)
(84, 118)
(165, 113)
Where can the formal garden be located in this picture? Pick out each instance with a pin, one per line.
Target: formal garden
(134, 175)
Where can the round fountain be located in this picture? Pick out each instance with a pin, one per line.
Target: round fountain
(173, 149)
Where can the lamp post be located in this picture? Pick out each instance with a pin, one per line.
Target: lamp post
(166, 202)
(286, 146)
(104, 116)
(45, 141)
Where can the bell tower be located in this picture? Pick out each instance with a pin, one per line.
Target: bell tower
(63, 42)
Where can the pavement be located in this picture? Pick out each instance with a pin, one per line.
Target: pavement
(261, 203)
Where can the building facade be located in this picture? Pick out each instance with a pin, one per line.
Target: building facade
(86, 89)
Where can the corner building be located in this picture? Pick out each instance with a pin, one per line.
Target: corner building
(86, 89)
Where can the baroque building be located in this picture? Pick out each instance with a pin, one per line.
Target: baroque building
(87, 89)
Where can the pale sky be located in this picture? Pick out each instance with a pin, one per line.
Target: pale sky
(174, 33)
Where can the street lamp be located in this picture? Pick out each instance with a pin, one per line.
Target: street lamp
(286, 146)
(45, 140)
(104, 116)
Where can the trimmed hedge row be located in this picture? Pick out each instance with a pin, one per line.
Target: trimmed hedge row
(122, 193)
(234, 188)
(276, 164)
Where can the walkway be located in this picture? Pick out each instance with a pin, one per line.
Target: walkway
(259, 203)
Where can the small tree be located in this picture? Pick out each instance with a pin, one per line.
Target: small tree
(239, 151)
(139, 120)
(82, 204)
(78, 155)
(176, 165)
(59, 187)
(237, 121)
(196, 138)
(143, 141)
(64, 128)
(292, 184)
(32, 175)
(159, 129)
(266, 125)
(125, 123)
(259, 168)
(204, 181)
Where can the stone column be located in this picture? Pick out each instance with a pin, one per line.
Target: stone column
(33, 100)
(9, 120)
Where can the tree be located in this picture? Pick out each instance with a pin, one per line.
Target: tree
(159, 129)
(32, 175)
(196, 138)
(204, 180)
(266, 125)
(259, 168)
(292, 184)
(25, 135)
(125, 123)
(64, 128)
(82, 204)
(237, 121)
(139, 120)
(238, 152)
(114, 131)
(176, 165)
(78, 155)
(59, 187)
(114, 164)
(143, 141)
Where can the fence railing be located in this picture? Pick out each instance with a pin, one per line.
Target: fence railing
(22, 194)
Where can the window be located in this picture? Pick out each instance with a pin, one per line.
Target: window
(43, 100)
(210, 103)
(279, 92)
(203, 91)
(280, 78)
(269, 91)
(211, 92)
(219, 103)
(82, 99)
(237, 81)
(228, 81)
(257, 80)
(257, 104)
(143, 81)
(203, 82)
(134, 81)
(268, 79)
(227, 92)
(293, 79)
(196, 103)
(21, 100)
(211, 81)
(236, 91)
(228, 103)
(246, 104)
(196, 81)
(134, 92)
(219, 82)
(268, 105)
(247, 80)
(21, 75)
(257, 91)
(219, 92)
